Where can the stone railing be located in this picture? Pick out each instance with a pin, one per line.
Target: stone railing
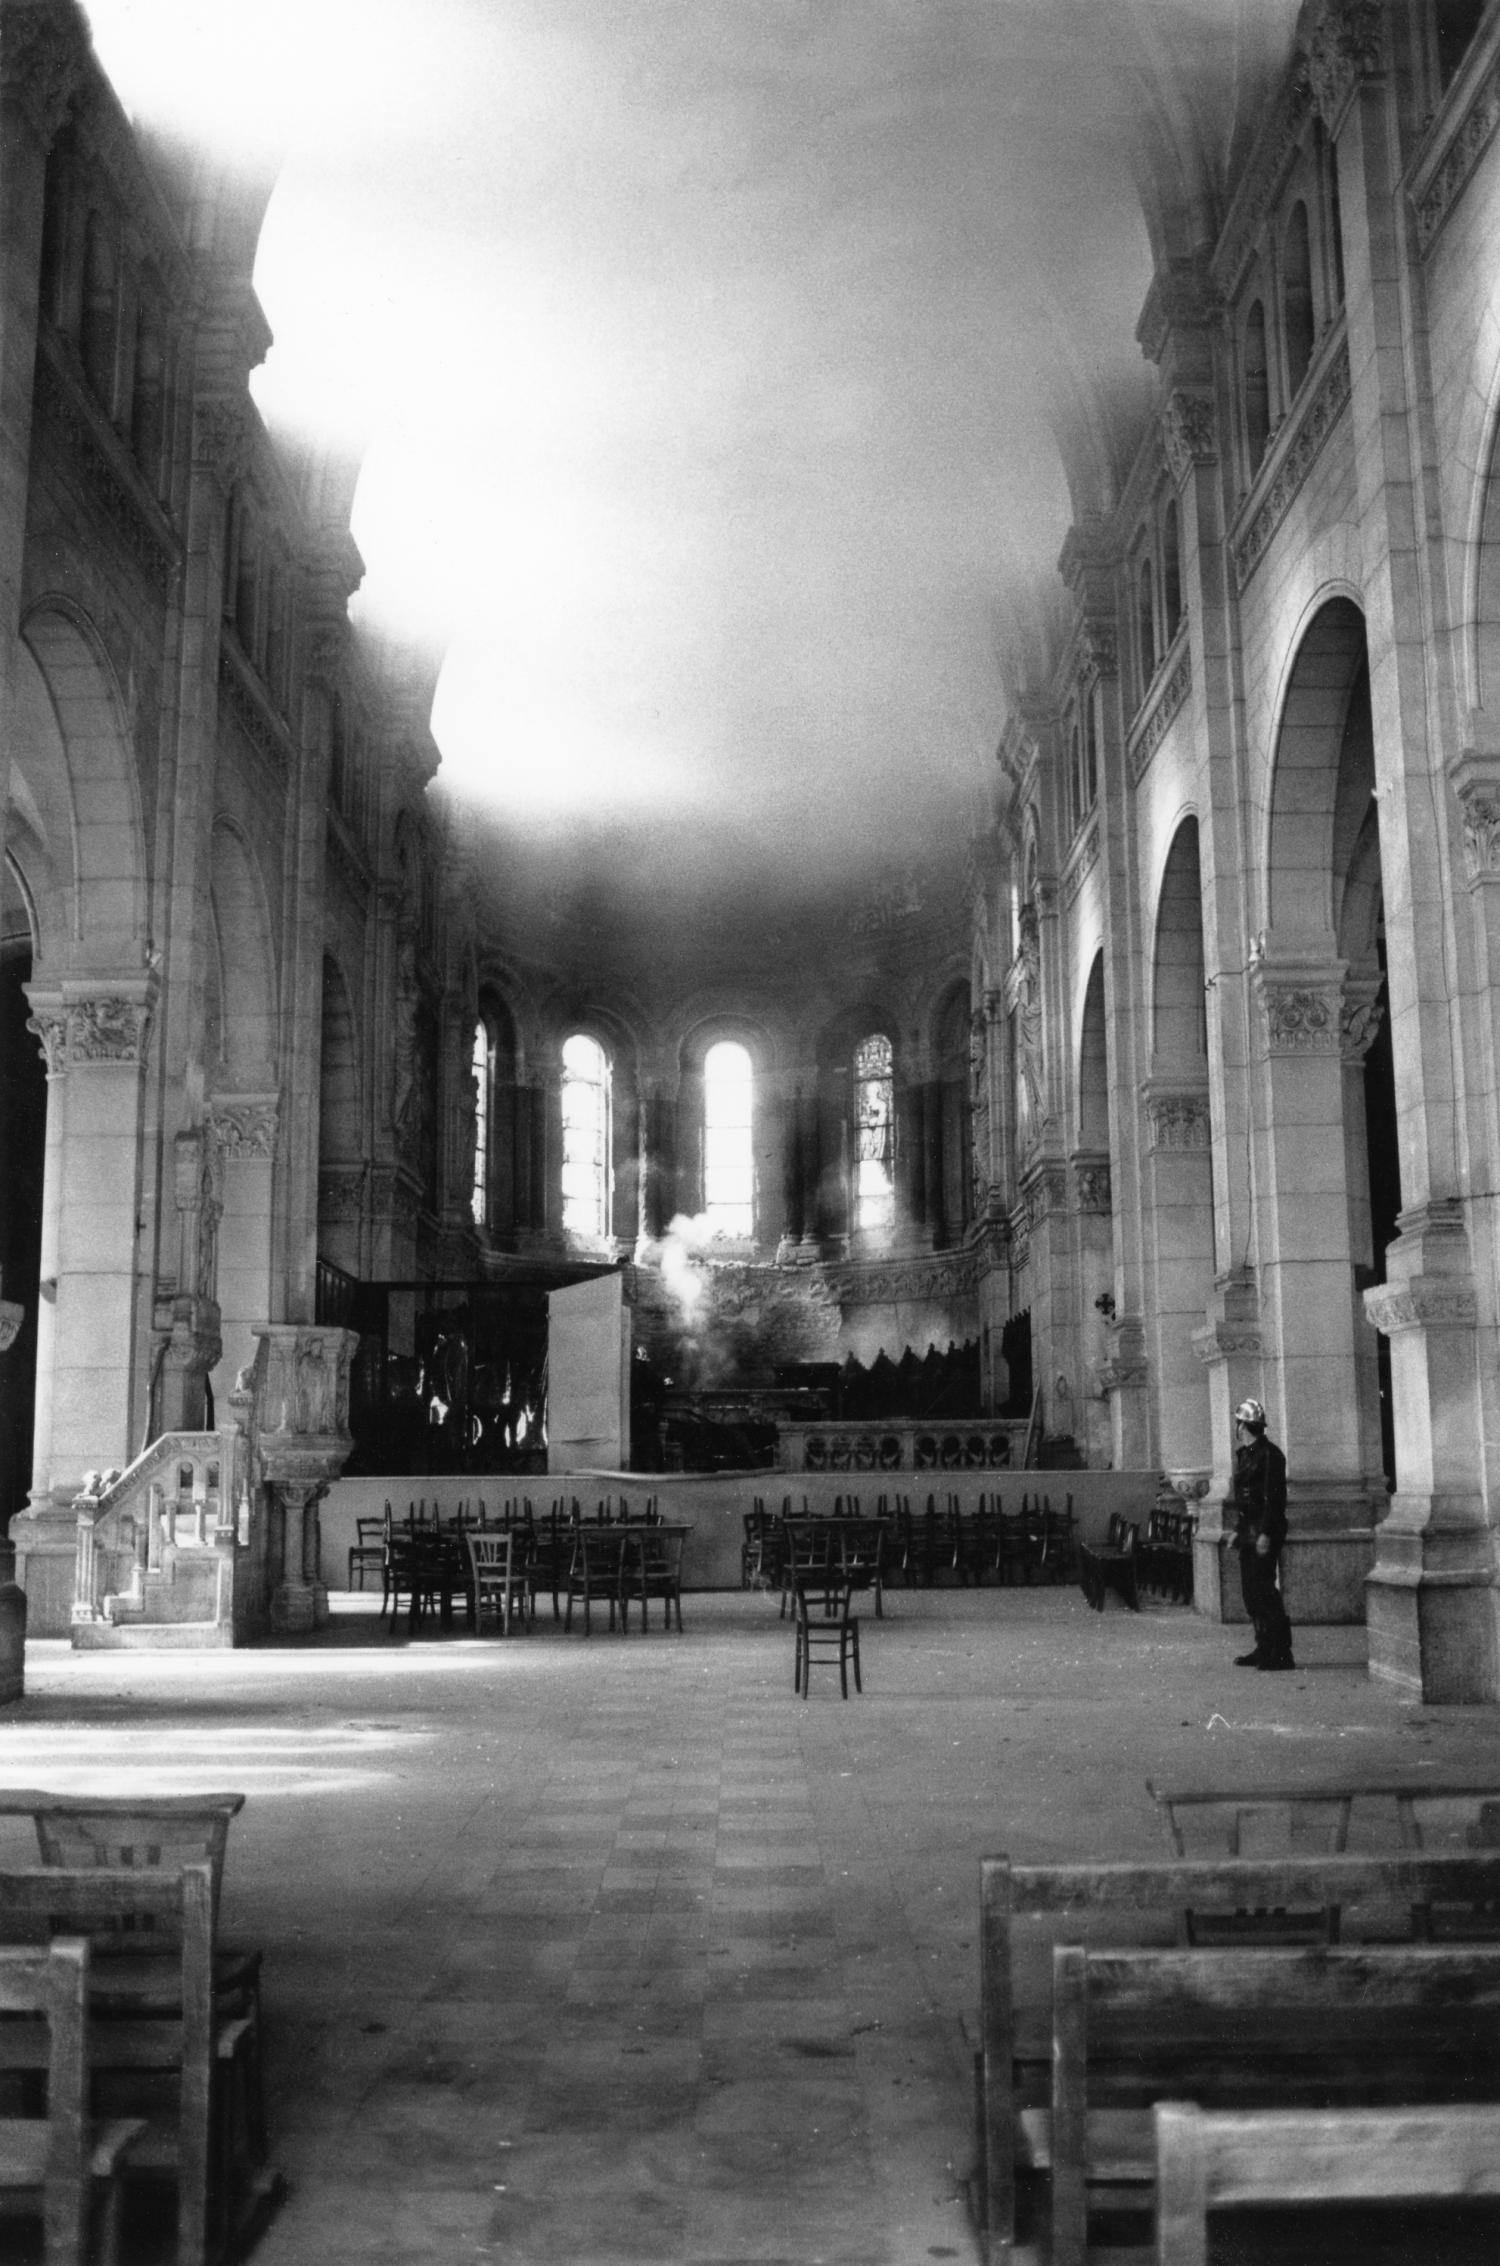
(157, 1543)
(963, 1444)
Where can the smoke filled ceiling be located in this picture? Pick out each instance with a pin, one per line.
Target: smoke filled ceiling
(725, 373)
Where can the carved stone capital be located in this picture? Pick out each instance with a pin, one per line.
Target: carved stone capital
(1345, 49)
(245, 1125)
(1302, 1006)
(1092, 1188)
(1098, 646)
(1189, 431)
(49, 1027)
(1177, 1117)
(42, 54)
(1359, 1017)
(88, 1026)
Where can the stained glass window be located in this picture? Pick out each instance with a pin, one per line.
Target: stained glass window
(875, 1131)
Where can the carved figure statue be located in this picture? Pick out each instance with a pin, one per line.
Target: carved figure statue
(1030, 1110)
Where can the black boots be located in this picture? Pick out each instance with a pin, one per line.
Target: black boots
(1249, 1659)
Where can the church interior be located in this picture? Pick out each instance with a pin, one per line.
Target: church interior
(748, 761)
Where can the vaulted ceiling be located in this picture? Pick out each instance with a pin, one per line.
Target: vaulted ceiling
(727, 372)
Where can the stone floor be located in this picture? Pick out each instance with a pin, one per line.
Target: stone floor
(613, 1950)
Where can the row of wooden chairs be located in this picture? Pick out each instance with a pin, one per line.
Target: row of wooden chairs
(1165, 1555)
(1036, 1543)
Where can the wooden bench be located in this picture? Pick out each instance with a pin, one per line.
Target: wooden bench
(139, 2035)
(60, 2157)
(1143, 1900)
(1209, 2160)
(1371, 2026)
(1113, 1564)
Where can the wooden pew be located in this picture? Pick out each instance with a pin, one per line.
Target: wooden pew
(1414, 2024)
(97, 1903)
(1212, 2160)
(60, 2156)
(1014, 2057)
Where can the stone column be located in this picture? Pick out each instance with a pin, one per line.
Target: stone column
(1094, 1268)
(186, 1341)
(89, 1381)
(41, 58)
(1230, 1347)
(1178, 1188)
(303, 1440)
(245, 1129)
(1307, 1281)
(1056, 1369)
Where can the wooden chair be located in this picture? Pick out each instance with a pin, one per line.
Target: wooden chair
(1112, 1565)
(60, 2157)
(652, 1567)
(151, 2018)
(160, 1833)
(827, 1628)
(498, 1575)
(1227, 2158)
(367, 1555)
(595, 1573)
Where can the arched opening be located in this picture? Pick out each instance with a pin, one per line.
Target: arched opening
(729, 1140)
(1331, 1108)
(23, 1148)
(875, 1136)
(1171, 572)
(587, 1177)
(1145, 617)
(1297, 298)
(1180, 1160)
(1093, 1066)
(1257, 386)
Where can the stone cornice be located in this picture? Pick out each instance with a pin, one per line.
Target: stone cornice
(1291, 457)
(1174, 681)
(1458, 137)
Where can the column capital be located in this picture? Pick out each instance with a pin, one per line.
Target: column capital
(1178, 1113)
(88, 1023)
(1359, 1017)
(1189, 431)
(1345, 51)
(1302, 1000)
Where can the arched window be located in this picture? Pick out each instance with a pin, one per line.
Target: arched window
(1090, 746)
(484, 1079)
(875, 1128)
(1171, 573)
(1257, 386)
(1297, 297)
(1076, 802)
(585, 1115)
(1146, 622)
(729, 1140)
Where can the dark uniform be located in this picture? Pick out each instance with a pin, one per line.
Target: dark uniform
(1260, 1502)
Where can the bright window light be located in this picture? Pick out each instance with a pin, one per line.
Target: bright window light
(585, 1112)
(728, 1141)
(875, 1126)
(482, 1070)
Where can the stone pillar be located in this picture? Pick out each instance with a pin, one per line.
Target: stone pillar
(1307, 1283)
(89, 1385)
(245, 1129)
(1094, 1268)
(303, 1440)
(1229, 1345)
(1178, 1224)
(1056, 1369)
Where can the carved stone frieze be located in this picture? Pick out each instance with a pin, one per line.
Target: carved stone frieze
(1422, 1302)
(1092, 1188)
(1315, 422)
(302, 1401)
(42, 54)
(1228, 1341)
(108, 1028)
(1189, 431)
(1176, 1119)
(1346, 47)
(1157, 720)
(245, 1125)
(1442, 177)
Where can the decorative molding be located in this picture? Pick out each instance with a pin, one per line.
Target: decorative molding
(1228, 1341)
(89, 444)
(1155, 721)
(1480, 805)
(1044, 1193)
(241, 693)
(1302, 1018)
(95, 1027)
(1346, 49)
(1422, 1302)
(1083, 860)
(1177, 1118)
(1098, 645)
(245, 1125)
(42, 60)
(1290, 461)
(1189, 431)
(1460, 136)
(49, 1027)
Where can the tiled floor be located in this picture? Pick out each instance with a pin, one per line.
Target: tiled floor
(612, 1951)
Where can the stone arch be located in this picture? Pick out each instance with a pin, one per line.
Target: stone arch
(1328, 661)
(1179, 1026)
(1093, 1064)
(1178, 1177)
(103, 866)
(247, 1050)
